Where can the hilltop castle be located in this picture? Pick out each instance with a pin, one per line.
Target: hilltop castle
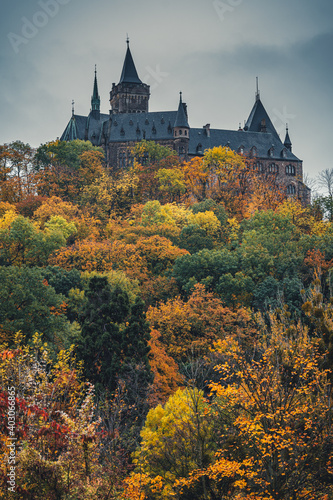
(131, 121)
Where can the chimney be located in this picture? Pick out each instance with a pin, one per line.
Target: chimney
(207, 129)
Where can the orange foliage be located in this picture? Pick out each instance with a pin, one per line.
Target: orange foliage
(166, 375)
(198, 322)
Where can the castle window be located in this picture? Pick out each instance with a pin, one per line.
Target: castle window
(180, 132)
(273, 168)
(181, 150)
(122, 160)
(291, 189)
(199, 148)
(290, 170)
(185, 132)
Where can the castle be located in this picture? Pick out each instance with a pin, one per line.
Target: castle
(131, 121)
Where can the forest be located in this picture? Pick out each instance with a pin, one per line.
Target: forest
(166, 329)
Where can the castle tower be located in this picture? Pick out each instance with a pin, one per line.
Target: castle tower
(181, 129)
(95, 100)
(287, 141)
(130, 95)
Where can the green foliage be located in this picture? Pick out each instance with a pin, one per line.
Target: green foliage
(193, 238)
(205, 266)
(113, 333)
(29, 304)
(22, 243)
(61, 280)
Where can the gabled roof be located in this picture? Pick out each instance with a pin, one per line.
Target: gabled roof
(71, 132)
(129, 73)
(181, 118)
(258, 119)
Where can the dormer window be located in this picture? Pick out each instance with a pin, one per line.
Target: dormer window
(253, 152)
(199, 148)
(271, 151)
(241, 150)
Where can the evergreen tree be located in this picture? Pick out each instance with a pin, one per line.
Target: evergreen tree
(114, 335)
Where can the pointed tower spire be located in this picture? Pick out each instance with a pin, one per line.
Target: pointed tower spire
(95, 99)
(129, 73)
(181, 118)
(287, 141)
(181, 129)
(257, 90)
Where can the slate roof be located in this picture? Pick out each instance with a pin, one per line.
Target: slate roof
(129, 73)
(235, 139)
(257, 115)
(152, 126)
(82, 125)
(287, 141)
(181, 118)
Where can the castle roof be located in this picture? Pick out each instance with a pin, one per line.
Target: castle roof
(266, 145)
(181, 118)
(151, 126)
(129, 73)
(259, 120)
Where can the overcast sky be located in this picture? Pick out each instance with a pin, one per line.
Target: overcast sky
(211, 50)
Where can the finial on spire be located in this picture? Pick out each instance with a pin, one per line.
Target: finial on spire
(95, 69)
(181, 96)
(257, 89)
(127, 40)
(73, 102)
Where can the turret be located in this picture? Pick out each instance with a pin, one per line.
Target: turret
(181, 129)
(287, 141)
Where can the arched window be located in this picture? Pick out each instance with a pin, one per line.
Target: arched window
(291, 189)
(181, 150)
(273, 168)
(290, 170)
(180, 132)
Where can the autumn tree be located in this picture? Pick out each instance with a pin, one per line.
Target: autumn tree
(58, 438)
(177, 438)
(64, 168)
(16, 171)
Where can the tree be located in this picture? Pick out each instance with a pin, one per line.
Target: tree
(325, 180)
(58, 438)
(114, 334)
(28, 303)
(273, 407)
(64, 168)
(16, 172)
(176, 440)
(22, 243)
